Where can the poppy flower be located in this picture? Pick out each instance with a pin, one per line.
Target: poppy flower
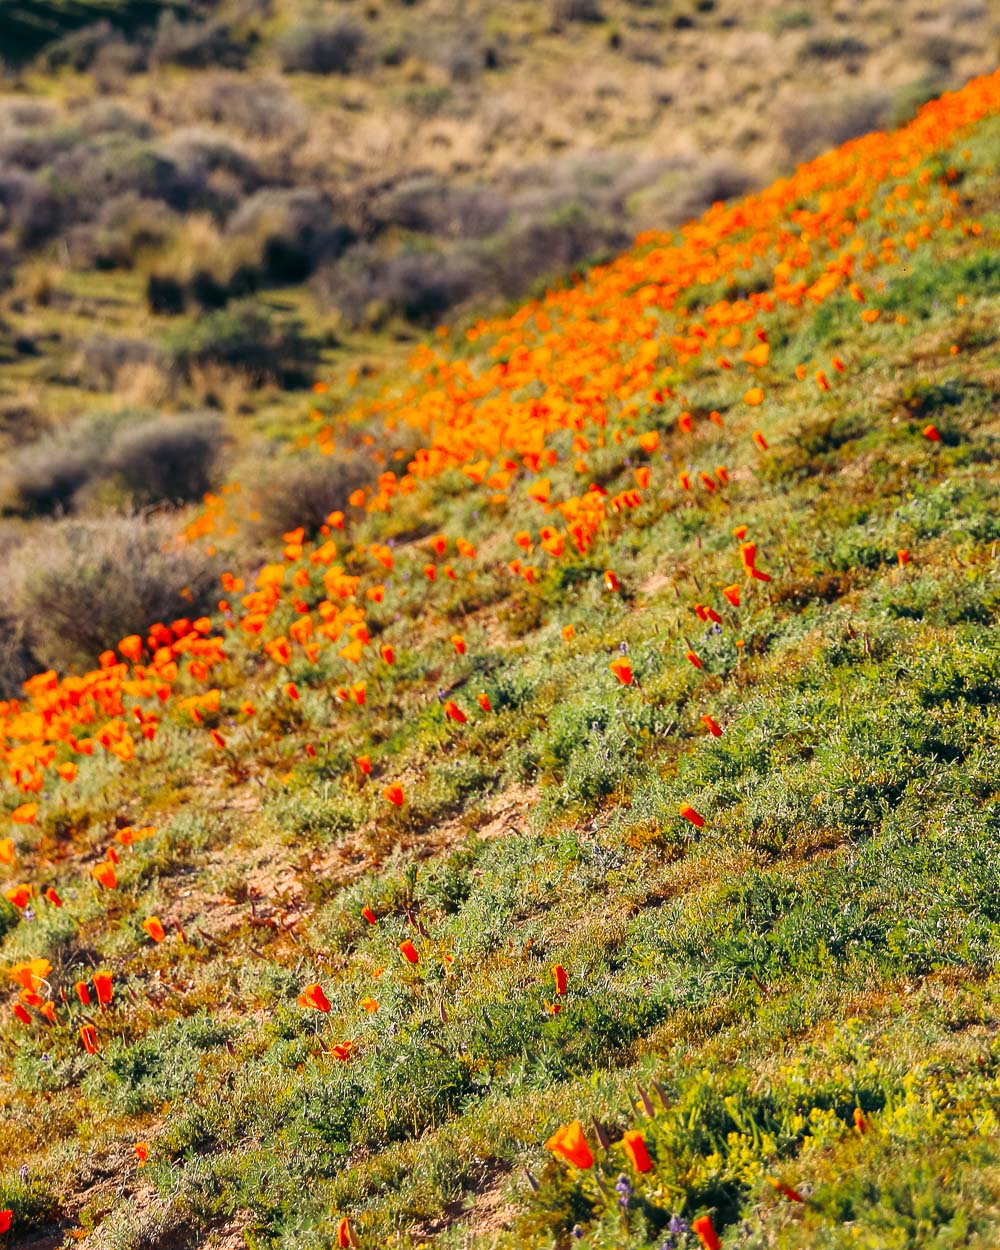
(22, 1013)
(694, 659)
(217, 738)
(369, 915)
(706, 1233)
(31, 974)
(313, 996)
(83, 993)
(570, 1144)
(568, 633)
(732, 593)
(634, 1145)
(430, 572)
(821, 380)
(642, 476)
(540, 491)
(364, 763)
(622, 670)
(6, 1219)
(754, 396)
(931, 432)
(760, 440)
(757, 356)
(104, 874)
(387, 653)
(483, 699)
(25, 814)
(455, 713)
(902, 557)
(684, 481)
(409, 951)
(19, 896)
(689, 813)
(7, 852)
(345, 1234)
(88, 1036)
(458, 642)
(342, 1050)
(102, 984)
(712, 726)
(560, 977)
(370, 1005)
(649, 441)
(53, 896)
(786, 1191)
(684, 422)
(152, 926)
(860, 1123)
(611, 582)
(142, 1152)
(292, 690)
(393, 794)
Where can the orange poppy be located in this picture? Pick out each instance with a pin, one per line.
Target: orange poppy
(142, 1152)
(559, 974)
(313, 996)
(622, 670)
(394, 794)
(88, 1036)
(570, 1144)
(18, 895)
(712, 726)
(689, 813)
(694, 659)
(454, 712)
(409, 951)
(929, 432)
(369, 915)
(754, 396)
(25, 814)
(102, 984)
(152, 926)
(706, 1233)
(634, 1145)
(483, 699)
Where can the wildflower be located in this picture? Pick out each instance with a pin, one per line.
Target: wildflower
(345, 1234)
(142, 1152)
(568, 633)
(570, 1144)
(152, 926)
(634, 1145)
(394, 794)
(25, 814)
(760, 440)
(52, 896)
(902, 557)
(82, 992)
(370, 1005)
(786, 1191)
(650, 441)
(342, 1051)
(369, 915)
(483, 699)
(560, 977)
(732, 593)
(387, 653)
(623, 671)
(88, 1036)
(860, 1123)
(623, 1188)
(102, 984)
(455, 713)
(22, 1013)
(611, 582)
(7, 852)
(712, 726)
(754, 396)
(458, 642)
(409, 951)
(313, 996)
(693, 658)
(931, 432)
(689, 813)
(19, 896)
(6, 1219)
(707, 1235)
(104, 874)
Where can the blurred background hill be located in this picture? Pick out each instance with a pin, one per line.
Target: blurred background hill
(205, 207)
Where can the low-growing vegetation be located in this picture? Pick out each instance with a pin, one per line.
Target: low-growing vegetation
(552, 799)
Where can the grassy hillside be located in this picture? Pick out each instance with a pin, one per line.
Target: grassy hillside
(620, 749)
(206, 207)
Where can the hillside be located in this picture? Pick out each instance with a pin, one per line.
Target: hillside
(206, 207)
(617, 756)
